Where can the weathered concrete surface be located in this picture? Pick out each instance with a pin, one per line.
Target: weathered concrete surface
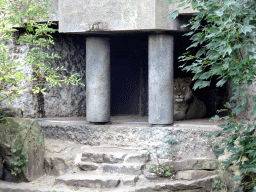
(116, 15)
(191, 139)
(55, 7)
(97, 79)
(160, 62)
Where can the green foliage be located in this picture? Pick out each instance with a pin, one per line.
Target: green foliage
(171, 141)
(37, 36)
(217, 184)
(225, 33)
(162, 170)
(26, 15)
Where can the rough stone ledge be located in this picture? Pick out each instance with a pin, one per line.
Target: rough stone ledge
(200, 185)
(189, 164)
(191, 140)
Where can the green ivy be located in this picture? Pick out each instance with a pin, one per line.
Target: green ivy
(225, 33)
(38, 37)
(26, 14)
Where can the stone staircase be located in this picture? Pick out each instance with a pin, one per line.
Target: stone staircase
(125, 170)
(117, 167)
(129, 171)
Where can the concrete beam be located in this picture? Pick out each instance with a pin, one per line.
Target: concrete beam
(97, 79)
(160, 61)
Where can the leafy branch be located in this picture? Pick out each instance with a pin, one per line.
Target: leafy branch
(224, 32)
(31, 16)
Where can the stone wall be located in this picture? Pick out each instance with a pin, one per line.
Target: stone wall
(18, 53)
(67, 100)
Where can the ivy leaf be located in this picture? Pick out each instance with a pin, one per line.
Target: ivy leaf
(194, 4)
(215, 118)
(173, 15)
(218, 133)
(201, 84)
(237, 178)
(247, 29)
(228, 50)
(221, 82)
(200, 52)
(208, 135)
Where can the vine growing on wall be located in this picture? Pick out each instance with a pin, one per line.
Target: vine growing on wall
(31, 17)
(225, 33)
(25, 22)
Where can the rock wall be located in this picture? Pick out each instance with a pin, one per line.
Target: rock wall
(67, 100)
(18, 52)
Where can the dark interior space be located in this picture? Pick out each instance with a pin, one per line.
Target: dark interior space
(213, 97)
(129, 74)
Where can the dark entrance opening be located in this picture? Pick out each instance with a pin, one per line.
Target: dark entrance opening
(129, 74)
(213, 97)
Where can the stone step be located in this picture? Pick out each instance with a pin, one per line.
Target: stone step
(63, 185)
(96, 181)
(124, 168)
(199, 185)
(115, 157)
(102, 157)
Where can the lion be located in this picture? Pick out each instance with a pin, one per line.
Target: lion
(186, 105)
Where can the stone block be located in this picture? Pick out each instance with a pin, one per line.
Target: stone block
(194, 164)
(16, 132)
(116, 15)
(195, 174)
(129, 180)
(183, 185)
(137, 158)
(89, 181)
(88, 166)
(12, 112)
(103, 157)
(55, 166)
(128, 168)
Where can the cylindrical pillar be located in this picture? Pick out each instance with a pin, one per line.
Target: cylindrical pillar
(97, 79)
(160, 61)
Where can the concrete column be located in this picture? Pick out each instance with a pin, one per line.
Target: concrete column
(160, 61)
(97, 79)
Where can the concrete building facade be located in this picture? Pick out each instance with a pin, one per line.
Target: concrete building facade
(99, 20)
(127, 55)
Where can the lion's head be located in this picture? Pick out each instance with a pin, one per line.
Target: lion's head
(182, 91)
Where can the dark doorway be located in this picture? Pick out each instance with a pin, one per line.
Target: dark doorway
(213, 97)
(129, 74)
